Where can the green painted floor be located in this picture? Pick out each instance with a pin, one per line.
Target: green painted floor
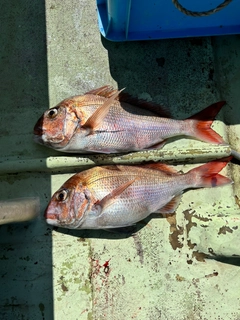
(183, 267)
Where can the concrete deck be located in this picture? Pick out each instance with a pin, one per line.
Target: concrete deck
(184, 267)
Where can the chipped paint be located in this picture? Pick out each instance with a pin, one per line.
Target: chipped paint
(188, 216)
(175, 232)
(199, 256)
(224, 230)
(214, 274)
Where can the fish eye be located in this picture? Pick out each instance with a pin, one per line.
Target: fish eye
(62, 195)
(52, 113)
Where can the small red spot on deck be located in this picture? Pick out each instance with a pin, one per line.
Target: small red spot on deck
(106, 266)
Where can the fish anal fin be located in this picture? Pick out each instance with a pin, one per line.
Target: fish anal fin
(161, 167)
(157, 145)
(171, 206)
(94, 122)
(110, 198)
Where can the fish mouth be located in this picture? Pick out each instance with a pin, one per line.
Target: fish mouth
(51, 218)
(52, 222)
(38, 139)
(37, 130)
(43, 140)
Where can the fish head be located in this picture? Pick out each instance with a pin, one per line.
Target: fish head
(56, 126)
(69, 205)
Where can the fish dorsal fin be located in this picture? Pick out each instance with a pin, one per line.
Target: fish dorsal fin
(94, 122)
(112, 167)
(108, 91)
(209, 113)
(147, 105)
(105, 91)
(110, 198)
(161, 167)
(171, 206)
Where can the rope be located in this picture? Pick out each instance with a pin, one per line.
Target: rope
(203, 13)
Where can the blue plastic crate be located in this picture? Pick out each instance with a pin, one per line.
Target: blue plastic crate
(127, 20)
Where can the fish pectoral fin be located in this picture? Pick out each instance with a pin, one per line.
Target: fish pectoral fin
(110, 198)
(171, 206)
(95, 120)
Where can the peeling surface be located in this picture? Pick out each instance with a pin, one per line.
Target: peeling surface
(175, 232)
(224, 230)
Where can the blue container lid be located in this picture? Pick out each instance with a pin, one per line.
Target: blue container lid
(127, 20)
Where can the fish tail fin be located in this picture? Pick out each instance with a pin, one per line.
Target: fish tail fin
(206, 176)
(201, 124)
(204, 132)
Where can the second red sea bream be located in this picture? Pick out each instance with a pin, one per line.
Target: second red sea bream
(119, 196)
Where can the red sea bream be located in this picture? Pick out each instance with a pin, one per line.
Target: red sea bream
(119, 196)
(108, 121)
